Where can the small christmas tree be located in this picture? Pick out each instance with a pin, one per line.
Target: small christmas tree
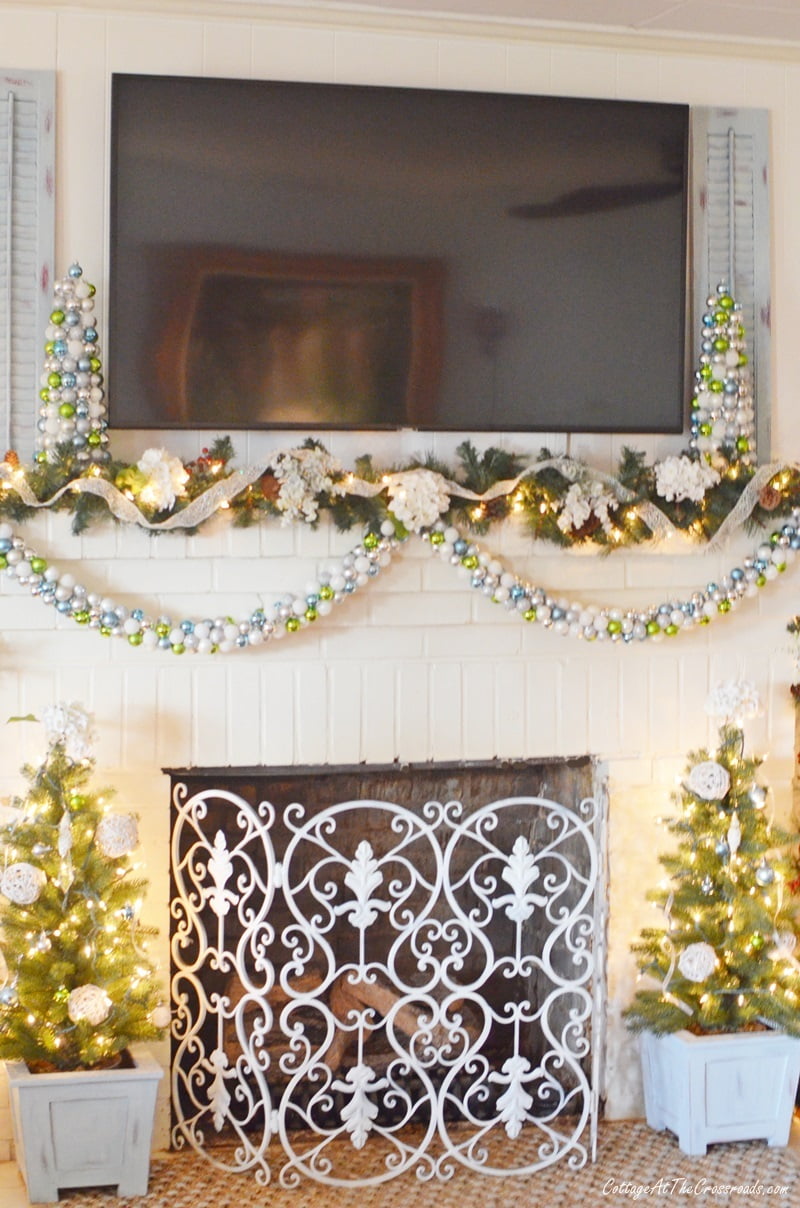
(76, 985)
(723, 960)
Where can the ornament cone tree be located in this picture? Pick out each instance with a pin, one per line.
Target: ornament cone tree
(723, 959)
(76, 985)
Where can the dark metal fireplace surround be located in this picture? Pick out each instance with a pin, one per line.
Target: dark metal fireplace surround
(379, 952)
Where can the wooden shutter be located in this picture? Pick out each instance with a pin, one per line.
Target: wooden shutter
(731, 233)
(27, 222)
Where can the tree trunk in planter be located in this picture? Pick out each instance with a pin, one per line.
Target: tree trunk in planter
(84, 1128)
(726, 1087)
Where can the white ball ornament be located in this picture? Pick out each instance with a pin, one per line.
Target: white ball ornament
(22, 883)
(160, 1016)
(709, 780)
(117, 835)
(697, 962)
(88, 1004)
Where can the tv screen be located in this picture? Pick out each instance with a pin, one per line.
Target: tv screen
(326, 256)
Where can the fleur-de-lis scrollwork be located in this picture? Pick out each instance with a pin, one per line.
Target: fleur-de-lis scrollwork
(520, 872)
(363, 879)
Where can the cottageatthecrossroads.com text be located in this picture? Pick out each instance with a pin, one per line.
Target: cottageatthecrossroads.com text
(699, 1188)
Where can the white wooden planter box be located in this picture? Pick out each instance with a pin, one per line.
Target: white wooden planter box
(87, 1128)
(735, 1087)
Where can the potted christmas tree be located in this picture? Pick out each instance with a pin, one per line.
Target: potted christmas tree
(76, 985)
(720, 982)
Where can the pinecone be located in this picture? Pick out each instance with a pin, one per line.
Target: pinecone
(11, 458)
(769, 497)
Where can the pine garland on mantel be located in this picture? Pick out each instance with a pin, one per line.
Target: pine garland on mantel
(705, 492)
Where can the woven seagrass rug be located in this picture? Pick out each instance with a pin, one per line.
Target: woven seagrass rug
(634, 1165)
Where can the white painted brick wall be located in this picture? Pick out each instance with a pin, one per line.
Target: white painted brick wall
(418, 667)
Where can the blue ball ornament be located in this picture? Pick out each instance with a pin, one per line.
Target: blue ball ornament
(64, 606)
(138, 614)
(242, 640)
(75, 270)
(90, 335)
(187, 626)
(5, 544)
(460, 546)
(737, 574)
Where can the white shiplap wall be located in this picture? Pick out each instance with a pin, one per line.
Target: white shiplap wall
(417, 667)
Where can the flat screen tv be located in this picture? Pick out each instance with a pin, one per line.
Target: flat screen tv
(323, 256)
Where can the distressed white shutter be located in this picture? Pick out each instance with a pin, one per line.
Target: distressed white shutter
(731, 233)
(27, 223)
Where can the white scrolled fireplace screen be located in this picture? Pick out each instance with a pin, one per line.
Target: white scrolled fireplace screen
(381, 970)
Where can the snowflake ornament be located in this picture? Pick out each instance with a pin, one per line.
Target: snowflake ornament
(71, 725)
(734, 701)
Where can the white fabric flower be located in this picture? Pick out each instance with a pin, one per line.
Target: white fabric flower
(418, 498)
(302, 475)
(583, 500)
(684, 478)
(166, 478)
(70, 724)
(734, 700)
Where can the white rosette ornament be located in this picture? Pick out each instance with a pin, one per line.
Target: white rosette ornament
(72, 402)
(89, 1004)
(22, 883)
(697, 962)
(71, 725)
(117, 835)
(709, 780)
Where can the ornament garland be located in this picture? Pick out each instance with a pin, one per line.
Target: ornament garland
(704, 492)
(293, 612)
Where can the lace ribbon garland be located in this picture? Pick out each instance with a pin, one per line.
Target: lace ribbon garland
(222, 492)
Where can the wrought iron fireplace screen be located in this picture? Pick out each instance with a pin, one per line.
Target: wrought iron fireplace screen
(411, 985)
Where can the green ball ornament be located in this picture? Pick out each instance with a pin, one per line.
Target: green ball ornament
(94, 439)
(54, 380)
(95, 364)
(653, 628)
(40, 457)
(48, 348)
(105, 631)
(311, 614)
(44, 394)
(92, 290)
(81, 616)
(705, 429)
(38, 565)
(292, 624)
(743, 358)
(725, 302)
(326, 592)
(721, 344)
(671, 630)
(720, 316)
(756, 941)
(76, 801)
(371, 541)
(761, 581)
(3, 562)
(437, 538)
(66, 410)
(724, 606)
(179, 648)
(615, 626)
(716, 387)
(470, 561)
(134, 639)
(742, 444)
(57, 317)
(162, 629)
(529, 614)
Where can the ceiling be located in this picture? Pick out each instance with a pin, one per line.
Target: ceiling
(774, 20)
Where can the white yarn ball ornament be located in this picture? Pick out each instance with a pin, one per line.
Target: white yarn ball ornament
(22, 883)
(88, 1004)
(117, 835)
(697, 962)
(709, 780)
